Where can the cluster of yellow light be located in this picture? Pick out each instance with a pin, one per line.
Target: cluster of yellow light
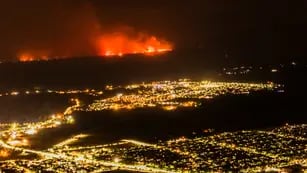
(91, 92)
(272, 155)
(189, 148)
(71, 109)
(196, 154)
(16, 134)
(23, 142)
(71, 140)
(171, 95)
(4, 153)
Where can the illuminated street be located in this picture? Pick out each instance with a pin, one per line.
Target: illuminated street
(134, 86)
(242, 150)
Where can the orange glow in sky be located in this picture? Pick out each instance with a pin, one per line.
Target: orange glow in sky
(119, 44)
(112, 45)
(26, 57)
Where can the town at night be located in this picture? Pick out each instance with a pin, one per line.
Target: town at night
(153, 86)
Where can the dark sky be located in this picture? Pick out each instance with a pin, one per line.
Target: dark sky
(242, 28)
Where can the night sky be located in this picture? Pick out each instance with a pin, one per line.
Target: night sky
(253, 29)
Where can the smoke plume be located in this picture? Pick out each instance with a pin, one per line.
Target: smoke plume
(36, 29)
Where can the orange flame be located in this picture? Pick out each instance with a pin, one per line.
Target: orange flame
(119, 44)
(111, 45)
(26, 57)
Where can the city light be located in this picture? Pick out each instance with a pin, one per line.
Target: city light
(171, 95)
(210, 151)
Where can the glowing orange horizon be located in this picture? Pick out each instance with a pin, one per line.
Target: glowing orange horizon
(120, 44)
(27, 57)
(115, 45)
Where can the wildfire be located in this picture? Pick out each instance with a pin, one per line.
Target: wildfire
(119, 44)
(112, 45)
(26, 57)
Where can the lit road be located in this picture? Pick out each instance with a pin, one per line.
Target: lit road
(285, 144)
